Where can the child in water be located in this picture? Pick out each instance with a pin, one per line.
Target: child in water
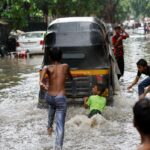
(57, 75)
(95, 102)
(141, 113)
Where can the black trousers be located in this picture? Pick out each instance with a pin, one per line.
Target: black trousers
(93, 112)
(120, 62)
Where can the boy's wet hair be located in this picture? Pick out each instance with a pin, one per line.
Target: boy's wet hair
(142, 62)
(117, 27)
(141, 111)
(100, 88)
(55, 54)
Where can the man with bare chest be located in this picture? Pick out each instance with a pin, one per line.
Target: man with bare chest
(141, 120)
(57, 74)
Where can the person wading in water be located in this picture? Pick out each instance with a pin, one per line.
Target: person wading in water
(57, 74)
(117, 41)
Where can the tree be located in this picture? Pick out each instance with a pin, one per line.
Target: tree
(15, 14)
(19, 12)
(141, 7)
(44, 6)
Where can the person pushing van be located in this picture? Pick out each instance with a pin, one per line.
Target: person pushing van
(95, 102)
(57, 74)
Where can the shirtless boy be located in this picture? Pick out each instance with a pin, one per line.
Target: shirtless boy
(57, 74)
(141, 111)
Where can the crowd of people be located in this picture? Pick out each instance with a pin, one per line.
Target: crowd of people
(57, 74)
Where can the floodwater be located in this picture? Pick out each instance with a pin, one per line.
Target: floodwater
(23, 126)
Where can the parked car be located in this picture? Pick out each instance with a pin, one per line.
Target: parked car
(32, 42)
(86, 49)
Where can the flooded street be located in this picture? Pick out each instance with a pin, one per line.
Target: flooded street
(23, 126)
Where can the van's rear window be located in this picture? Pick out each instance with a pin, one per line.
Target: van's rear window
(86, 57)
(74, 27)
(32, 35)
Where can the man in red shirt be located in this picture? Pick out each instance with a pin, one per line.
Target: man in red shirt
(117, 41)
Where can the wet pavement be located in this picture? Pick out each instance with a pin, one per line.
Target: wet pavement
(23, 125)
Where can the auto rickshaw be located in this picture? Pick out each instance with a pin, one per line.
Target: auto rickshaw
(85, 47)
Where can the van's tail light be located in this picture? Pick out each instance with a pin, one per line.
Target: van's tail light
(100, 79)
(42, 42)
(17, 44)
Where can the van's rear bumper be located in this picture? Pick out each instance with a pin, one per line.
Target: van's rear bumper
(81, 86)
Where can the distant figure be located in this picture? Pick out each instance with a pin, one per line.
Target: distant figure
(145, 28)
(141, 112)
(117, 41)
(57, 74)
(143, 68)
(11, 44)
(95, 102)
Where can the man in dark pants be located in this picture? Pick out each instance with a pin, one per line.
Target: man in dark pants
(143, 68)
(117, 41)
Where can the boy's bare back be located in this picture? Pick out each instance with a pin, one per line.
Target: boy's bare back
(57, 74)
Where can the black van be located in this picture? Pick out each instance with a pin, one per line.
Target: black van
(86, 49)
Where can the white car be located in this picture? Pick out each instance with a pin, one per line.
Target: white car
(32, 42)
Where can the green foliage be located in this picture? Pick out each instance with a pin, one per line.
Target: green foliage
(141, 7)
(19, 12)
(123, 10)
(15, 15)
(43, 5)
